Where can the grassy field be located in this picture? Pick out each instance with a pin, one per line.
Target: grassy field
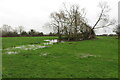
(82, 59)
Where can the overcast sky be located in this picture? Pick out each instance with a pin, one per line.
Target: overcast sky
(33, 14)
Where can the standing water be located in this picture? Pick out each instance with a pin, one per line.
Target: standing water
(15, 50)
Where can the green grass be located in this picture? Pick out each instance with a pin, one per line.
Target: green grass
(15, 41)
(63, 60)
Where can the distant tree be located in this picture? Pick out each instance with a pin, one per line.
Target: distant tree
(32, 32)
(6, 29)
(40, 34)
(24, 33)
(112, 35)
(104, 34)
(12, 34)
(20, 29)
(51, 34)
(117, 30)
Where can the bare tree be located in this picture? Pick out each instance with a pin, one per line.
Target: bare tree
(71, 23)
(20, 29)
(103, 18)
(6, 28)
(56, 22)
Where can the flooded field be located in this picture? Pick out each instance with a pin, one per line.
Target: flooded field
(17, 49)
(46, 57)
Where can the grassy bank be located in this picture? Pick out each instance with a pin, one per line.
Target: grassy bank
(82, 59)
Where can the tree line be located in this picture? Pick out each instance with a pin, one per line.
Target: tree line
(8, 31)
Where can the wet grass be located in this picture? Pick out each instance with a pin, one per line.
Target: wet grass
(16, 41)
(82, 59)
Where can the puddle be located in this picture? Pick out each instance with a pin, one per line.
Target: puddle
(88, 55)
(52, 41)
(10, 52)
(26, 47)
(15, 50)
(44, 54)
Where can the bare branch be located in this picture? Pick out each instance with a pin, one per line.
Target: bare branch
(104, 9)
